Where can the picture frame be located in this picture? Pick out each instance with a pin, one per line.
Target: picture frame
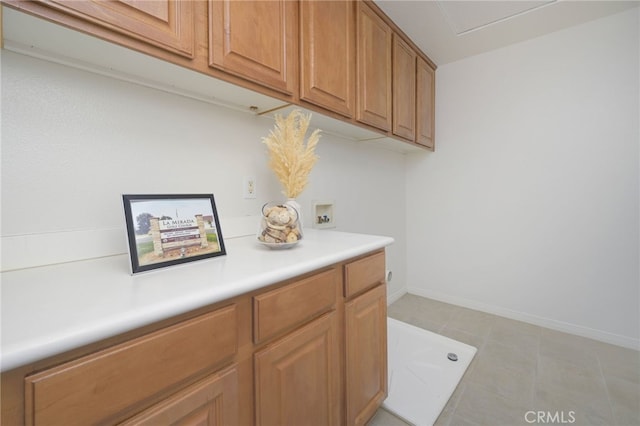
(171, 229)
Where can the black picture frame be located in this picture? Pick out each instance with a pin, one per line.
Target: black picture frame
(171, 229)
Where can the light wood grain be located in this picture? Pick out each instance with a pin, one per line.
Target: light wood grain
(364, 273)
(373, 69)
(256, 45)
(210, 402)
(100, 386)
(404, 89)
(425, 104)
(256, 40)
(279, 310)
(327, 46)
(168, 24)
(366, 354)
(319, 361)
(298, 377)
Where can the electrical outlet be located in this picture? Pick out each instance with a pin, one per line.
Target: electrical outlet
(249, 187)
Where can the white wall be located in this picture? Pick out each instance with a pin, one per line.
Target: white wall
(530, 206)
(73, 142)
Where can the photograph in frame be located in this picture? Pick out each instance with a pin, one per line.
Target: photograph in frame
(165, 230)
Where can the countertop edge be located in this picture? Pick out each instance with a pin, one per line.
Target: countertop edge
(31, 350)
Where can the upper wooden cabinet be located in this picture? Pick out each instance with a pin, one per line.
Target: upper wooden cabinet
(168, 24)
(327, 46)
(373, 69)
(425, 103)
(342, 58)
(404, 89)
(255, 40)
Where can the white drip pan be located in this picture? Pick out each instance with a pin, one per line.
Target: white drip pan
(422, 376)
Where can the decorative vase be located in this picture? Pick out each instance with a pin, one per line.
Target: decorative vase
(298, 208)
(280, 225)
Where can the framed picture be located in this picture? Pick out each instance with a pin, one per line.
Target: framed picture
(165, 230)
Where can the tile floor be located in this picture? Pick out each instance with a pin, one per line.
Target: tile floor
(521, 368)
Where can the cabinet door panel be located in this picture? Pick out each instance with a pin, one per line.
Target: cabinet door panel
(255, 40)
(297, 378)
(327, 49)
(210, 402)
(404, 89)
(425, 103)
(286, 307)
(168, 24)
(373, 69)
(124, 375)
(366, 349)
(364, 273)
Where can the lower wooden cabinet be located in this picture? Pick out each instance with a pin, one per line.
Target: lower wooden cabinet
(104, 387)
(211, 402)
(366, 354)
(297, 378)
(308, 351)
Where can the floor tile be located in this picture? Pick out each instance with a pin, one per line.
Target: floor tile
(517, 334)
(624, 396)
(565, 386)
(568, 347)
(585, 409)
(459, 421)
(570, 376)
(464, 337)
(619, 362)
(521, 368)
(421, 312)
(480, 405)
(385, 418)
(470, 321)
(506, 371)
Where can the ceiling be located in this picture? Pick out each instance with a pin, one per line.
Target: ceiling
(450, 30)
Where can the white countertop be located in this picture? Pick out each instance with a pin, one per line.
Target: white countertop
(52, 309)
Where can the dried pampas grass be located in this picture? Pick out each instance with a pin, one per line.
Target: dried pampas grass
(289, 158)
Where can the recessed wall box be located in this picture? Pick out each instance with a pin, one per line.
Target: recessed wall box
(323, 214)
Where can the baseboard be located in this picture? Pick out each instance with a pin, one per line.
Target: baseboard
(392, 297)
(603, 336)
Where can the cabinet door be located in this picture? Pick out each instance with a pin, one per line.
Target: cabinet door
(327, 33)
(298, 377)
(404, 89)
(255, 40)
(425, 103)
(364, 274)
(211, 402)
(105, 385)
(168, 24)
(373, 69)
(366, 349)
